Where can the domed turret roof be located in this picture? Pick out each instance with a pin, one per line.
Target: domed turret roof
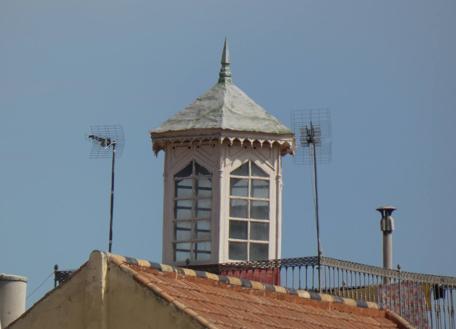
(223, 108)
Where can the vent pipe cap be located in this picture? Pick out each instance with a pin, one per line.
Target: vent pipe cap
(387, 221)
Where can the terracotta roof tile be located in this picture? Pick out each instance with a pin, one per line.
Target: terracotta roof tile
(230, 305)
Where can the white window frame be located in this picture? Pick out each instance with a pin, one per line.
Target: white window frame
(249, 220)
(194, 219)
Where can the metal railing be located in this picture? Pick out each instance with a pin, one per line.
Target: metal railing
(60, 276)
(426, 301)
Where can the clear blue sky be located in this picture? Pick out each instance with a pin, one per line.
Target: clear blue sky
(385, 69)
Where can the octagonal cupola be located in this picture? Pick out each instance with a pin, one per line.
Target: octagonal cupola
(222, 177)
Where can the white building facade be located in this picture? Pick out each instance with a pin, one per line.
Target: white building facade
(222, 178)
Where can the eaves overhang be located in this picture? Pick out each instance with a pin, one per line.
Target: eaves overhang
(160, 140)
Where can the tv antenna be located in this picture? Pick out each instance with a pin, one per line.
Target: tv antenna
(312, 129)
(107, 142)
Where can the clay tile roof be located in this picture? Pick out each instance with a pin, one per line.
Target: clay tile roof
(223, 302)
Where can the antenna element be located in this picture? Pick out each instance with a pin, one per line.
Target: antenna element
(106, 142)
(312, 128)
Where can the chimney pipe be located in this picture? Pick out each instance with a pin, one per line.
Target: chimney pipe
(12, 298)
(387, 227)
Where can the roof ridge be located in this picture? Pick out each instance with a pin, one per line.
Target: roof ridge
(256, 285)
(232, 88)
(223, 108)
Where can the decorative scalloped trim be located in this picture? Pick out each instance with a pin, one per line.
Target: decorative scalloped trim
(286, 145)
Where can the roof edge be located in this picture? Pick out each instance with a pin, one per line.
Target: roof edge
(399, 320)
(12, 277)
(215, 132)
(286, 141)
(122, 261)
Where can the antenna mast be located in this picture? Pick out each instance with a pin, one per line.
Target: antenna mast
(107, 141)
(312, 128)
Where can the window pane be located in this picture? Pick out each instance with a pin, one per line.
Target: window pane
(183, 251)
(239, 187)
(182, 256)
(203, 255)
(183, 209)
(259, 209)
(238, 251)
(203, 229)
(238, 208)
(183, 246)
(203, 251)
(203, 208)
(183, 231)
(257, 171)
(258, 251)
(187, 171)
(242, 170)
(183, 235)
(204, 187)
(184, 188)
(238, 229)
(200, 170)
(259, 231)
(260, 188)
(203, 246)
(203, 213)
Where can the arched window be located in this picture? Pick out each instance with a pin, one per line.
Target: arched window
(192, 213)
(249, 213)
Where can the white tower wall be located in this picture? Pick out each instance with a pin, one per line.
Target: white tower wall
(221, 160)
(176, 158)
(268, 158)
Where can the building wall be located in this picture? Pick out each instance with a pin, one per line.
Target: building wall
(268, 159)
(62, 308)
(134, 306)
(102, 296)
(177, 158)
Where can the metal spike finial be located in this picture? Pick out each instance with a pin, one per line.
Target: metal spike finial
(226, 53)
(225, 71)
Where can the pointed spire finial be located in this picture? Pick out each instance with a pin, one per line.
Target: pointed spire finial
(225, 71)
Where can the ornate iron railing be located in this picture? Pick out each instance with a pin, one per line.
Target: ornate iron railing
(426, 301)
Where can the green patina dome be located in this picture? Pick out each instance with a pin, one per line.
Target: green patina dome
(224, 107)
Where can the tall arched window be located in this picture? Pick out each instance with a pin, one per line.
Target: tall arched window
(192, 213)
(249, 213)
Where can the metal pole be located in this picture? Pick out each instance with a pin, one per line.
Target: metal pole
(387, 250)
(317, 220)
(112, 195)
(56, 268)
(400, 290)
(387, 228)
